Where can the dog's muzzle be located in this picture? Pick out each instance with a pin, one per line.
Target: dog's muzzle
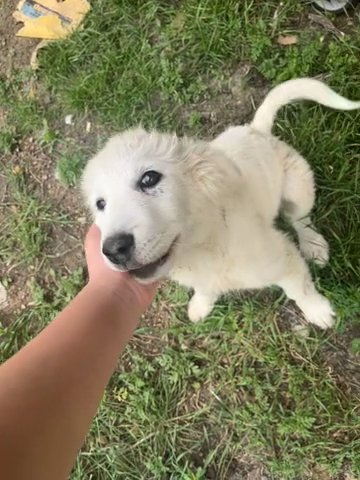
(119, 250)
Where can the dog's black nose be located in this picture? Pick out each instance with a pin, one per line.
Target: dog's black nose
(119, 248)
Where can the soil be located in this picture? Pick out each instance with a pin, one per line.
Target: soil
(15, 51)
(64, 251)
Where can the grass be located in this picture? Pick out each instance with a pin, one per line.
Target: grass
(69, 167)
(156, 57)
(26, 222)
(239, 391)
(24, 114)
(243, 403)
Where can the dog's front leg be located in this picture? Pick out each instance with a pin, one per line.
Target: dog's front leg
(201, 305)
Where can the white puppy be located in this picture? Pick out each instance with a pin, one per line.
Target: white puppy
(202, 213)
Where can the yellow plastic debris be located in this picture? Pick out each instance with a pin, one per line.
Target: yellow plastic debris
(50, 19)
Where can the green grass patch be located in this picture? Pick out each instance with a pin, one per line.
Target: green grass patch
(215, 399)
(7, 141)
(156, 56)
(70, 166)
(26, 222)
(23, 112)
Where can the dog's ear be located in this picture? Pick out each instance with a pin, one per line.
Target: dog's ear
(207, 171)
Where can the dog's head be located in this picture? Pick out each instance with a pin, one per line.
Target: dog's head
(138, 188)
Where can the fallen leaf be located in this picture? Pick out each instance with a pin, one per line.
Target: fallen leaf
(287, 40)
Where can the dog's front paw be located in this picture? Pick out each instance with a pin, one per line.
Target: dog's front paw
(199, 308)
(318, 311)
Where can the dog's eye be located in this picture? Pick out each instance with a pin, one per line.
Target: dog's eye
(149, 179)
(100, 204)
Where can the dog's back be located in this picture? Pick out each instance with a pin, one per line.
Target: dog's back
(259, 159)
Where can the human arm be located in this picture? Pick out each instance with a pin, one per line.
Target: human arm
(50, 390)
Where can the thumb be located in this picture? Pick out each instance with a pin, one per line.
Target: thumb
(92, 240)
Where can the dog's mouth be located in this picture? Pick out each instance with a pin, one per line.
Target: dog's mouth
(147, 271)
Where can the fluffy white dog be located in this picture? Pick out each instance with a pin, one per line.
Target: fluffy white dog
(202, 213)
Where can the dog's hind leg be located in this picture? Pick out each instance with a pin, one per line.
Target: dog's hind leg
(295, 279)
(297, 202)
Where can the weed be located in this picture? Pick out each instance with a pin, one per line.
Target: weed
(69, 167)
(7, 141)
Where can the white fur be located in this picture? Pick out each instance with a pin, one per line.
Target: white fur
(218, 200)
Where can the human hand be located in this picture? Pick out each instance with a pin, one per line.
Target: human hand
(119, 285)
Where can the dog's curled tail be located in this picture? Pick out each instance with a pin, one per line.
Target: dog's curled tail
(298, 89)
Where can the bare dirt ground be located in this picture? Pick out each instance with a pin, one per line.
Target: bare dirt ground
(15, 51)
